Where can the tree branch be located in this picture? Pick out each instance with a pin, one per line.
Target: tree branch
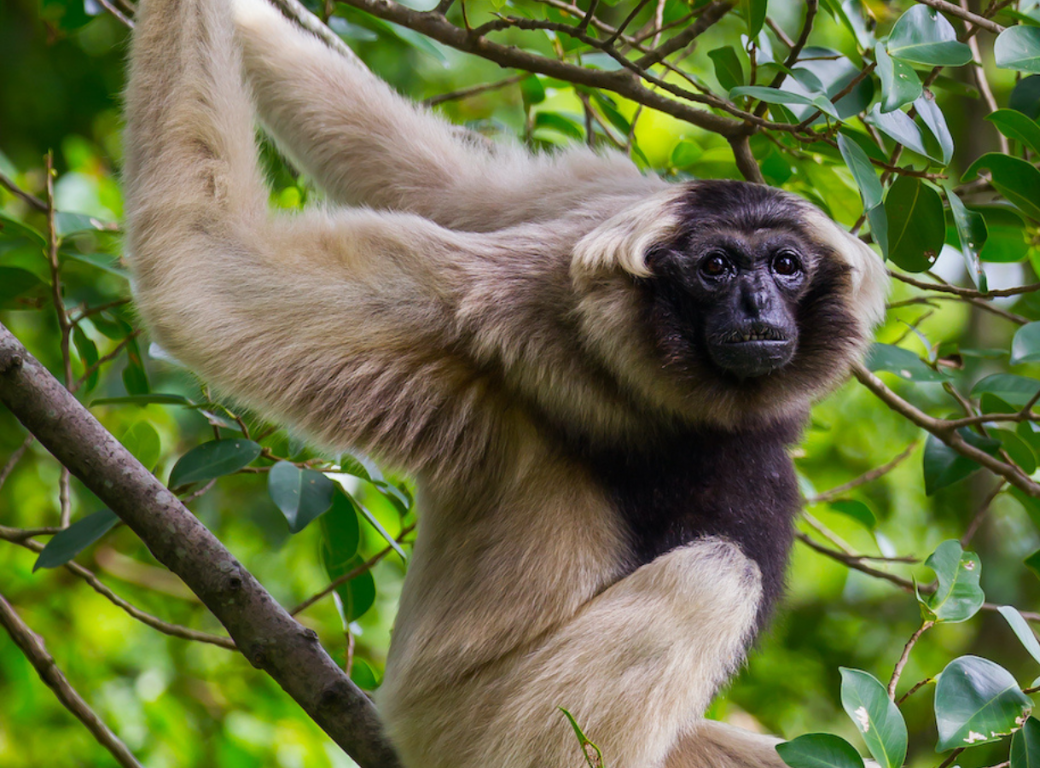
(31, 645)
(260, 627)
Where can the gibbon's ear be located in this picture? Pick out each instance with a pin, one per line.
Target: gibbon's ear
(622, 241)
(870, 280)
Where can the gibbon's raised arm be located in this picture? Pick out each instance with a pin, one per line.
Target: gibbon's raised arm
(343, 323)
(365, 144)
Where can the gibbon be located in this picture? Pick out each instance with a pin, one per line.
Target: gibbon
(594, 375)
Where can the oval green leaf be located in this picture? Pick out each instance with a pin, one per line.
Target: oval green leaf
(916, 224)
(922, 35)
(856, 159)
(902, 362)
(66, 545)
(1017, 126)
(1018, 48)
(1013, 177)
(1025, 347)
(728, 69)
(875, 715)
(857, 510)
(213, 459)
(973, 234)
(899, 83)
(943, 466)
(776, 96)
(1017, 390)
(819, 750)
(301, 494)
(341, 532)
(958, 596)
(1025, 745)
(1021, 629)
(977, 701)
(143, 442)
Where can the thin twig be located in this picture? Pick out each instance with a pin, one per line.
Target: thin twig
(976, 521)
(866, 477)
(105, 359)
(353, 574)
(14, 458)
(914, 689)
(898, 670)
(31, 200)
(123, 19)
(944, 287)
(475, 90)
(21, 537)
(965, 15)
(32, 646)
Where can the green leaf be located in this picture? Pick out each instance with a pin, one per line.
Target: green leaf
(916, 224)
(1022, 630)
(355, 597)
(958, 596)
(341, 533)
(923, 36)
(977, 701)
(899, 83)
(156, 398)
(819, 750)
(1016, 448)
(301, 494)
(728, 69)
(592, 754)
(88, 351)
(972, 233)
(1017, 126)
(943, 466)
(878, 219)
(557, 122)
(897, 125)
(143, 442)
(69, 223)
(870, 189)
(364, 675)
(1017, 390)
(16, 283)
(857, 510)
(776, 96)
(531, 90)
(754, 15)
(213, 459)
(1025, 347)
(1025, 97)
(1018, 48)
(102, 261)
(12, 228)
(686, 153)
(935, 121)
(66, 545)
(878, 719)
(1033, 563)
(1025, 745)
(365, 513)
(1013, 177)
(903, 362)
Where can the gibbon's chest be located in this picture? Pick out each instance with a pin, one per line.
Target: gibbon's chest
(737, 485)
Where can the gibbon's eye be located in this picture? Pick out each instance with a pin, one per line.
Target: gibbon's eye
(787, 264)
(715, 265)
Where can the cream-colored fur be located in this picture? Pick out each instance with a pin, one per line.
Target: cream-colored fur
(479, 295)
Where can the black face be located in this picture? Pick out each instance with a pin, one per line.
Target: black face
(729, 291)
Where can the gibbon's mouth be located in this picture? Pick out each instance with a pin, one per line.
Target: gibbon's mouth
(752, 351)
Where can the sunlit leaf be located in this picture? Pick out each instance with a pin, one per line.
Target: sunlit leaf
(957, 596)
(728, 69)
(935, 121)
(1017, 390)
(900, 85)
(903, 362)
(977, 701)
(775, 96)
(922, 35)
(1018, 48)
(856, 159)
(1017, 126)
(143, 442)
(972, 233)
(866, 702)
(857, 510)
(1021, 629)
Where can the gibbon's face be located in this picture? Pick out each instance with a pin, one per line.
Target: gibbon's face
(744, 290)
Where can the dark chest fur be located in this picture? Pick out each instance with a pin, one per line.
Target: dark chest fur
(737, 485)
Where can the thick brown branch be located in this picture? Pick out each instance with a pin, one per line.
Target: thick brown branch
(32, 646)
(622, 82)
(965, 15)
(260, 627)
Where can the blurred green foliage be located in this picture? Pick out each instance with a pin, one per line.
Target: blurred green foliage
(179, 703)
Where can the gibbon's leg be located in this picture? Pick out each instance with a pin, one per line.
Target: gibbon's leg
(365, 144)
(342, 323)
(636, 667)
(710, 744)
